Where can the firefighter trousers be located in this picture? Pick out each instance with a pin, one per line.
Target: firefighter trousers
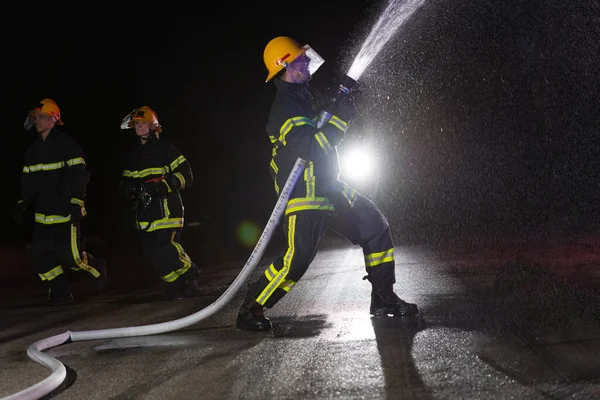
(362, 223)
(161, 248)
(55, 249)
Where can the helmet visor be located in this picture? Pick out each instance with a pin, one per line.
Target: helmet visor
(315, 60)
(127, 122)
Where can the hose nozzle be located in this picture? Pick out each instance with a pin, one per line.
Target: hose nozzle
(345, 87)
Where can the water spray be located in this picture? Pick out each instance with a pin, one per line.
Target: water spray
(395, 14)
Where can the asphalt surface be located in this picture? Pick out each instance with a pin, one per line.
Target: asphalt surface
(510, 319)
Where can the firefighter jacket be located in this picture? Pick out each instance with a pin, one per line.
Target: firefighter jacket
(292, 129)
(54, 177)
(156, 161)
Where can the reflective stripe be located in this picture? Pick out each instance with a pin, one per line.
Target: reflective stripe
(323, 142)
(51, 219)
(53, 273)
(375, 259)
(310, 179)
(76, 161)
(290, 123)
(309, 203)
(44, 167)
(287, 261)
(181, 179)
(164, 223)
(338, 123)
(81, 263)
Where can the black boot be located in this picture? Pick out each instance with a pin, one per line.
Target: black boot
(251, 317)
(59, 293)
(174, 290)
(191, 284)
(385, 302)
(100, 265)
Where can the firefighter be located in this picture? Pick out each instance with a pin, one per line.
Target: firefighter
(53, 186)
(155, 173)
(319, 200)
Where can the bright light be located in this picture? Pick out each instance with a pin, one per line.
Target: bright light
(357, 164)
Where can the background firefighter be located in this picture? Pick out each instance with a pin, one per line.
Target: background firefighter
(53, 184)
(320, 200)
(155, 173)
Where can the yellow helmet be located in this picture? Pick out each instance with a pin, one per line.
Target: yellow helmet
(279, 52)
(145, 114)
(49, 107)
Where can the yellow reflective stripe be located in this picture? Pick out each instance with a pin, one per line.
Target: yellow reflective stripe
(51, 219)
(287, 285)
(287, 261)
(274, 166)
(309, 178)
(309, 203)
(181, 179)
(177, 162)
(183, 257)
(81, 263)
(290, 123)
(349, 193)
(77, 201)
(323, 142)
(53, 273)
(44, 167)
(276, 187)
(145, 172)
(170, 277)
(338, 123)
(164, 223)
(76, 161)
(374, 259)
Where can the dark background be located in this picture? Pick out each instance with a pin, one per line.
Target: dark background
(483, 114)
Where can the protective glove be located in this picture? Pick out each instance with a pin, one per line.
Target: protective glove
(19, 211)
(156, 188)
(77, 212)
(345, 109)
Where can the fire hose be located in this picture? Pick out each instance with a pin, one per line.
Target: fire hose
(59, 371)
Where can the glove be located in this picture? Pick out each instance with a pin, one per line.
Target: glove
(345, 109)
(156, 188)
(77, 212)
(19, 211)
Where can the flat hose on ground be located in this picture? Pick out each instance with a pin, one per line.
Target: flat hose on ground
(59, 372)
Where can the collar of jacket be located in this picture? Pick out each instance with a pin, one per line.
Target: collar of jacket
(299, 89)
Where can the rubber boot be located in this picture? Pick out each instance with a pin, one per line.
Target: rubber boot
(59, 293)
(384, 302)
(100, 265)
(191, 282)
(251, 317)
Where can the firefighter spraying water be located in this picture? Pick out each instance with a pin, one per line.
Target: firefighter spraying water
(304, 148)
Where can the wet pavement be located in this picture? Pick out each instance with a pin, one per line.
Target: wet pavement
(516, 319)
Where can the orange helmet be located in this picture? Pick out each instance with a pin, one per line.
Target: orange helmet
(145, 114)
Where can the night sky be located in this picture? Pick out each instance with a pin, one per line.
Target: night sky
(483, 114)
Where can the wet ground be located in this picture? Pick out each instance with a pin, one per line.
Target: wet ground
(500, 319)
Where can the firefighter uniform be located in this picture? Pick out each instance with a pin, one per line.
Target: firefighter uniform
(155, 173)
(53, 183)
(319, 200)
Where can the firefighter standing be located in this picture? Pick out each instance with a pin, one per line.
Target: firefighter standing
(320, 200)
(53, 184)
(155, 173)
